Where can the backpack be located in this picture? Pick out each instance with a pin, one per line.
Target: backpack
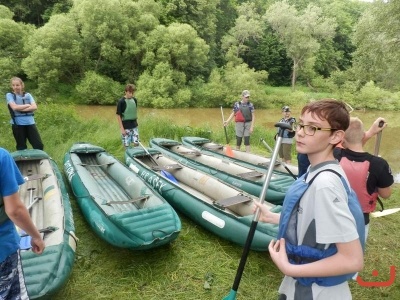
(302, 254)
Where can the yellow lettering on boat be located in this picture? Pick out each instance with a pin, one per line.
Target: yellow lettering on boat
(48, 194)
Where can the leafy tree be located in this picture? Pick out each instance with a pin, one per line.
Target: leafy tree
(12, 40)
(300, 33)
(163, 87)
(179, 46)
(55, 53)
(269, 54)
(35, 11)
(248, 25)
(377, 57)
(202, 15)
(236, 78)
(98, 89)
(174, 56)
(5, 12)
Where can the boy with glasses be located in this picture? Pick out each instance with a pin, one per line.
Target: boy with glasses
(324, 222)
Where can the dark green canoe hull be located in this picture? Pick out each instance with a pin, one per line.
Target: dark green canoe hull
(249, 160)
(228, 171)
(45, 274)
(211, 217)
(118, 205)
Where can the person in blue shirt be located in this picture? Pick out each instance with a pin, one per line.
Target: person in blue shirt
(22, 106)
(13, 213)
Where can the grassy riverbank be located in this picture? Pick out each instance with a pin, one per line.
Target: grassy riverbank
(198, 265)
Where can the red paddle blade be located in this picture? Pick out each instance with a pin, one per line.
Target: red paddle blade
(228, 151)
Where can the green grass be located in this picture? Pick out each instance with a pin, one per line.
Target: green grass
(185, 268)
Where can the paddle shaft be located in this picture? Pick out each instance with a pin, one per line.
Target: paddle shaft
(376, 152)
(148, 153)
(378, 139)
(253, 225)
(223, 122)
(281, 162)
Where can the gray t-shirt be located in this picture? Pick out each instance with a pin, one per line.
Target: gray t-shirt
(324, 217)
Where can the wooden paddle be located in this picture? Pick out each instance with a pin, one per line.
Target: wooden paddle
(228, 149)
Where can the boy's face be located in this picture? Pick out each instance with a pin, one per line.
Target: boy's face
(286, 114)
(322, 141)
(128, 94)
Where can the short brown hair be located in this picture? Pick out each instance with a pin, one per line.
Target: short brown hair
(331, 110)
(355, 133)
(130, 88)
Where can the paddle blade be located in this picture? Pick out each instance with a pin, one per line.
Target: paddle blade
(169, 176)
(385, 212)
(228, 151)
(230, 296)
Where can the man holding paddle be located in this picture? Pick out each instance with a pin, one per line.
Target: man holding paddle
(243, 112)
(369, 175)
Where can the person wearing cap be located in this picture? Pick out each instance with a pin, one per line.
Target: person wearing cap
(243, 113)
(285, 151)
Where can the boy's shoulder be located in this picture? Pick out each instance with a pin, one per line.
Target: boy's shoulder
(326, 173)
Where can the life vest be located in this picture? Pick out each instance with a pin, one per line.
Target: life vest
(286, 133)
(302, 254)
(244, 113)
(17, 114)
(354, 171)
(130, 112)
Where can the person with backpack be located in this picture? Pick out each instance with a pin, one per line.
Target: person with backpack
(243, 112)
(127, 115)
(21, 106)
(321, 226)
(370, 176)
(285, 151)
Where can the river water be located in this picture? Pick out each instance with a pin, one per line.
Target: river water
(212, 117)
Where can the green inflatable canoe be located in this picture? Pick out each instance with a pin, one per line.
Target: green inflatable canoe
(45, 195)
(120, 207)
(218, 207)
(247, 179)
(250, 160)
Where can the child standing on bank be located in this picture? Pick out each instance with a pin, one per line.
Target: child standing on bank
(285, 151)
(22, 106)
(322, 223)
(127, 114)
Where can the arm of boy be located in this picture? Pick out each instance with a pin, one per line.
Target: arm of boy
(226, 122)
(348, 259)
(265, 214)
(374, 129)
(19, 215)
(121, 126)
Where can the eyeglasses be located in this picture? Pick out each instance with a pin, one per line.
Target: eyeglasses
(310, 129)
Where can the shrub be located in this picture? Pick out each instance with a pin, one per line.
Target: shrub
(98, 89)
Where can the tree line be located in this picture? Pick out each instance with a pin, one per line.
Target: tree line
(198, 53)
